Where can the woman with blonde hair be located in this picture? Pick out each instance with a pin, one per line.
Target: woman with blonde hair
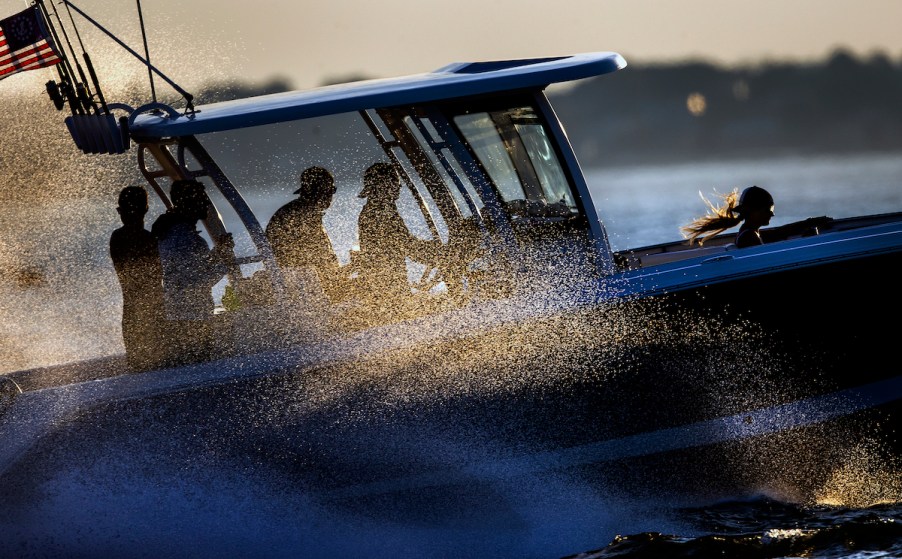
(753, 209)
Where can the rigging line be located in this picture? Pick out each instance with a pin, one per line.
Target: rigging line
(153, 91)
(75, 27)
(188, 97)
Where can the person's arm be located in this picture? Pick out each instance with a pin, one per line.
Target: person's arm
(224, 254)
(748, 238)
(396, 237)
(116, 252)
(334, 281)
(212, 264)
(425, 251)
(806, 227)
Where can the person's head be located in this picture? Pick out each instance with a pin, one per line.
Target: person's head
(132, 204)
(189, 199)
(756, 205)
(381, 182)
(317, 187)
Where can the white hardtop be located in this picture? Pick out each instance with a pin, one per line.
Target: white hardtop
(459, 80)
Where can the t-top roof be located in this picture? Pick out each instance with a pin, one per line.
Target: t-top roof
(452, 81)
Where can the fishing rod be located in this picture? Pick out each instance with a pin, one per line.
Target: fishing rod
(81, 88)
(88, 63)
(64, 91)
(151, 68)
(153, 91)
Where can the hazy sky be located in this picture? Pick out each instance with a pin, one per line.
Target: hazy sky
(309, 42)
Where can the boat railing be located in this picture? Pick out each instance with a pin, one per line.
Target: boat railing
(664, 253)
(676, 255)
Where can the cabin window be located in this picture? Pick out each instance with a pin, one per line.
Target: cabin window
(514, 148)
(548, 170)
(484, 138)
(264, 163)
(456, 182)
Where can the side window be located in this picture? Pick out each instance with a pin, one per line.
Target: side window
(545, 163)
(265, 163)
(516, 152)
(484, 138)
(461, 191)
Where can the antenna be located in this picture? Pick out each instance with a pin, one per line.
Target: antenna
(153, 92)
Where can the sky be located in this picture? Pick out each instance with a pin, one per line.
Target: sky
(194, 41)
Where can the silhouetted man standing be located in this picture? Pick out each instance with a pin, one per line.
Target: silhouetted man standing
(190, 270)
(137, 262)
(298, 237)
(385, 244)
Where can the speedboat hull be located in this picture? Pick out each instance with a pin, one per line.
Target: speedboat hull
(743, 387)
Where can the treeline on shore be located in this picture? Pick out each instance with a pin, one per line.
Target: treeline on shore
(698, 110)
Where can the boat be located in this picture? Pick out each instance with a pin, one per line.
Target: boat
(537, 351)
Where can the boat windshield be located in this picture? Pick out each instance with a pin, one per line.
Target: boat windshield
(481, 182)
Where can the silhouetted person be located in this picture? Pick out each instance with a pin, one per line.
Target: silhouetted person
(385, 242)
(753, 209)
(299, 240)
(137, 262)
(190, 270)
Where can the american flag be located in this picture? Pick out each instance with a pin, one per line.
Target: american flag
(25, 43)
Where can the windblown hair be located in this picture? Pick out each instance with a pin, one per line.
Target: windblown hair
(716, 221)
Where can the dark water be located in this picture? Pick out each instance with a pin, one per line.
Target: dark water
(91, 507)
(647, 206)
(769, 529)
